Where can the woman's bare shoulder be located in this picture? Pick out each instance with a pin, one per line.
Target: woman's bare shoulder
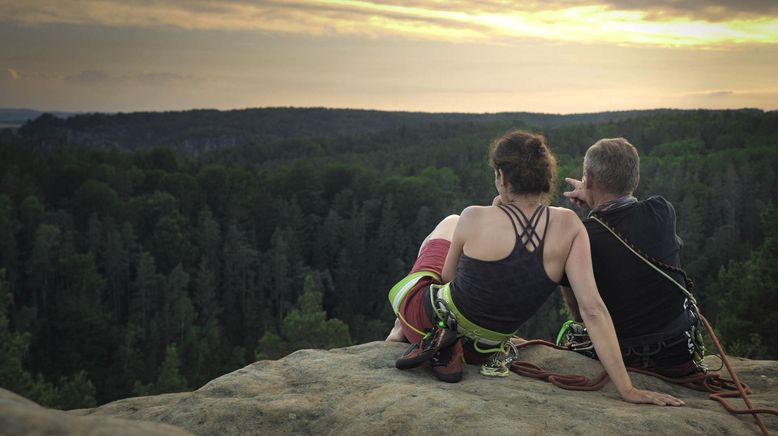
(563, 213)
(566, 219)
(475, 211)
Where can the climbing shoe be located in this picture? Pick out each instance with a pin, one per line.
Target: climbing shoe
(423, 350)
(447, 363)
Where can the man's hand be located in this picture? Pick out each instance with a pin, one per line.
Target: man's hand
(578, 196)
(639, 396)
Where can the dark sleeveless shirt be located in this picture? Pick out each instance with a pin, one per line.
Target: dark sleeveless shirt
(640, 300)
(501, 295)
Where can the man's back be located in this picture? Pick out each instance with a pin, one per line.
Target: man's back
(639, 299)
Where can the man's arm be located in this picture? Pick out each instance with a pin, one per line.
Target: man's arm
(600, 326)
(571, 302)
(579, 196)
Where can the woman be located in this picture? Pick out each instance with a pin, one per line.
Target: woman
(497, 264)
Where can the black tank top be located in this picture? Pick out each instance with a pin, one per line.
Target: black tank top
(501, 295)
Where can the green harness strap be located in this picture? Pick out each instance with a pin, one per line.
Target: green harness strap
(465, 327)
(400, 289)
(469, 329)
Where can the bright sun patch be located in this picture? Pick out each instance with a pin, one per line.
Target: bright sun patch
(594, 23)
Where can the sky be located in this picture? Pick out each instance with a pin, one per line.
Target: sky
(556, 56)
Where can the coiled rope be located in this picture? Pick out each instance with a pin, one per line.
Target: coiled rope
(719, 388)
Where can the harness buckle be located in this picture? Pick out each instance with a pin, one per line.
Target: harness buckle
(445, 313)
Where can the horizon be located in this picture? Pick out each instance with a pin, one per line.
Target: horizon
(555, 56)
(75, 113)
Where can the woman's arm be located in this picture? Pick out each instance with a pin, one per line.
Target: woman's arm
(572, 304)
(599, 324)
(461, 231)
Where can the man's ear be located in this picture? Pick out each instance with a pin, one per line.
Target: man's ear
(588, 180)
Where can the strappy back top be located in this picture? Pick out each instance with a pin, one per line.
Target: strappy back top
(501, 295)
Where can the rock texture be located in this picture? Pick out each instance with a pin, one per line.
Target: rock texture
(20, 416)
(357, 390)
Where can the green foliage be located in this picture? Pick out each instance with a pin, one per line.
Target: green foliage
(13, 348)
(169, 379)
(749, 297)
(77, 392)
(111, 254)
(72, 393)
(306, 326)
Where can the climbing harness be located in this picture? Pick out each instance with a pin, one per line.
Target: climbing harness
(400, 290)
(445, 309)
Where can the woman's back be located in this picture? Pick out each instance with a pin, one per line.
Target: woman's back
(512, 259)
(490, 236)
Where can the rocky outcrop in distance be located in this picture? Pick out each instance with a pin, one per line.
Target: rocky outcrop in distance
(357, 390)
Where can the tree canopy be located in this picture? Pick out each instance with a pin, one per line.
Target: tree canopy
(150, 269)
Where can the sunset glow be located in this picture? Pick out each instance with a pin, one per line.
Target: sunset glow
(432, 20)
(554, 55)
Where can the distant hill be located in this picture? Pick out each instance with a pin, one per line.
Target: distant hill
(13, 117)
(196, 131)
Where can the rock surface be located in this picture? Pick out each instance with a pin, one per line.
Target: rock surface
(357, 390)
(20, 416)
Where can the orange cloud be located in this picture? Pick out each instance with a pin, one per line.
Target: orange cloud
(640, 22)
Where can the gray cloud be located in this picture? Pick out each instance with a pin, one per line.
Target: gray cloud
(97, 77)
(711, 10)
(81, 11)
(163, 78)
(89, 77)
(498, 21)
(719, 94)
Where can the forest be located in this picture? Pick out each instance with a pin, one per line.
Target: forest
(130, 270)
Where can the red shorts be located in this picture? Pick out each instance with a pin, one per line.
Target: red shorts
(432, 257)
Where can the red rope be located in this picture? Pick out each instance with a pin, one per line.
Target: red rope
(720, 388)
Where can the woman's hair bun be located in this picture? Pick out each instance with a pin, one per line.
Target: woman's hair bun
(525, 160)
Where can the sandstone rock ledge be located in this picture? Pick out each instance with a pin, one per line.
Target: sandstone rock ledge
(20, 416)
(357, 390)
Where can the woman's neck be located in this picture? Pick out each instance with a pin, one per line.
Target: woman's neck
(525, 201)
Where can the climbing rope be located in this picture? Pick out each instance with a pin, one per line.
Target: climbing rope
(719, 388)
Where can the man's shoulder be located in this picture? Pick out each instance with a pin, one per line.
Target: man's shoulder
(656, 202)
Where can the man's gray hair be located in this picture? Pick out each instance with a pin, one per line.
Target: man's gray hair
(613, 165)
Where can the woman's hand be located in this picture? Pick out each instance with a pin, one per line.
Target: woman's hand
(639, 396)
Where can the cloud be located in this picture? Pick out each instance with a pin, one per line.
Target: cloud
(90, 77)
(97, 77)
(715, 94)
(12, 74)
(713, 10)
(163, 78)
(641, 22)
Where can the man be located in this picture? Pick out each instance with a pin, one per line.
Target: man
(648, 310)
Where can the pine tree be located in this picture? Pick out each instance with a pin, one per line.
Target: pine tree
(170, 378)
(306, 326)
(42, 264)
(13, 347)
(749, 290)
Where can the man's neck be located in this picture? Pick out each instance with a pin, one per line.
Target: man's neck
(600, 198)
